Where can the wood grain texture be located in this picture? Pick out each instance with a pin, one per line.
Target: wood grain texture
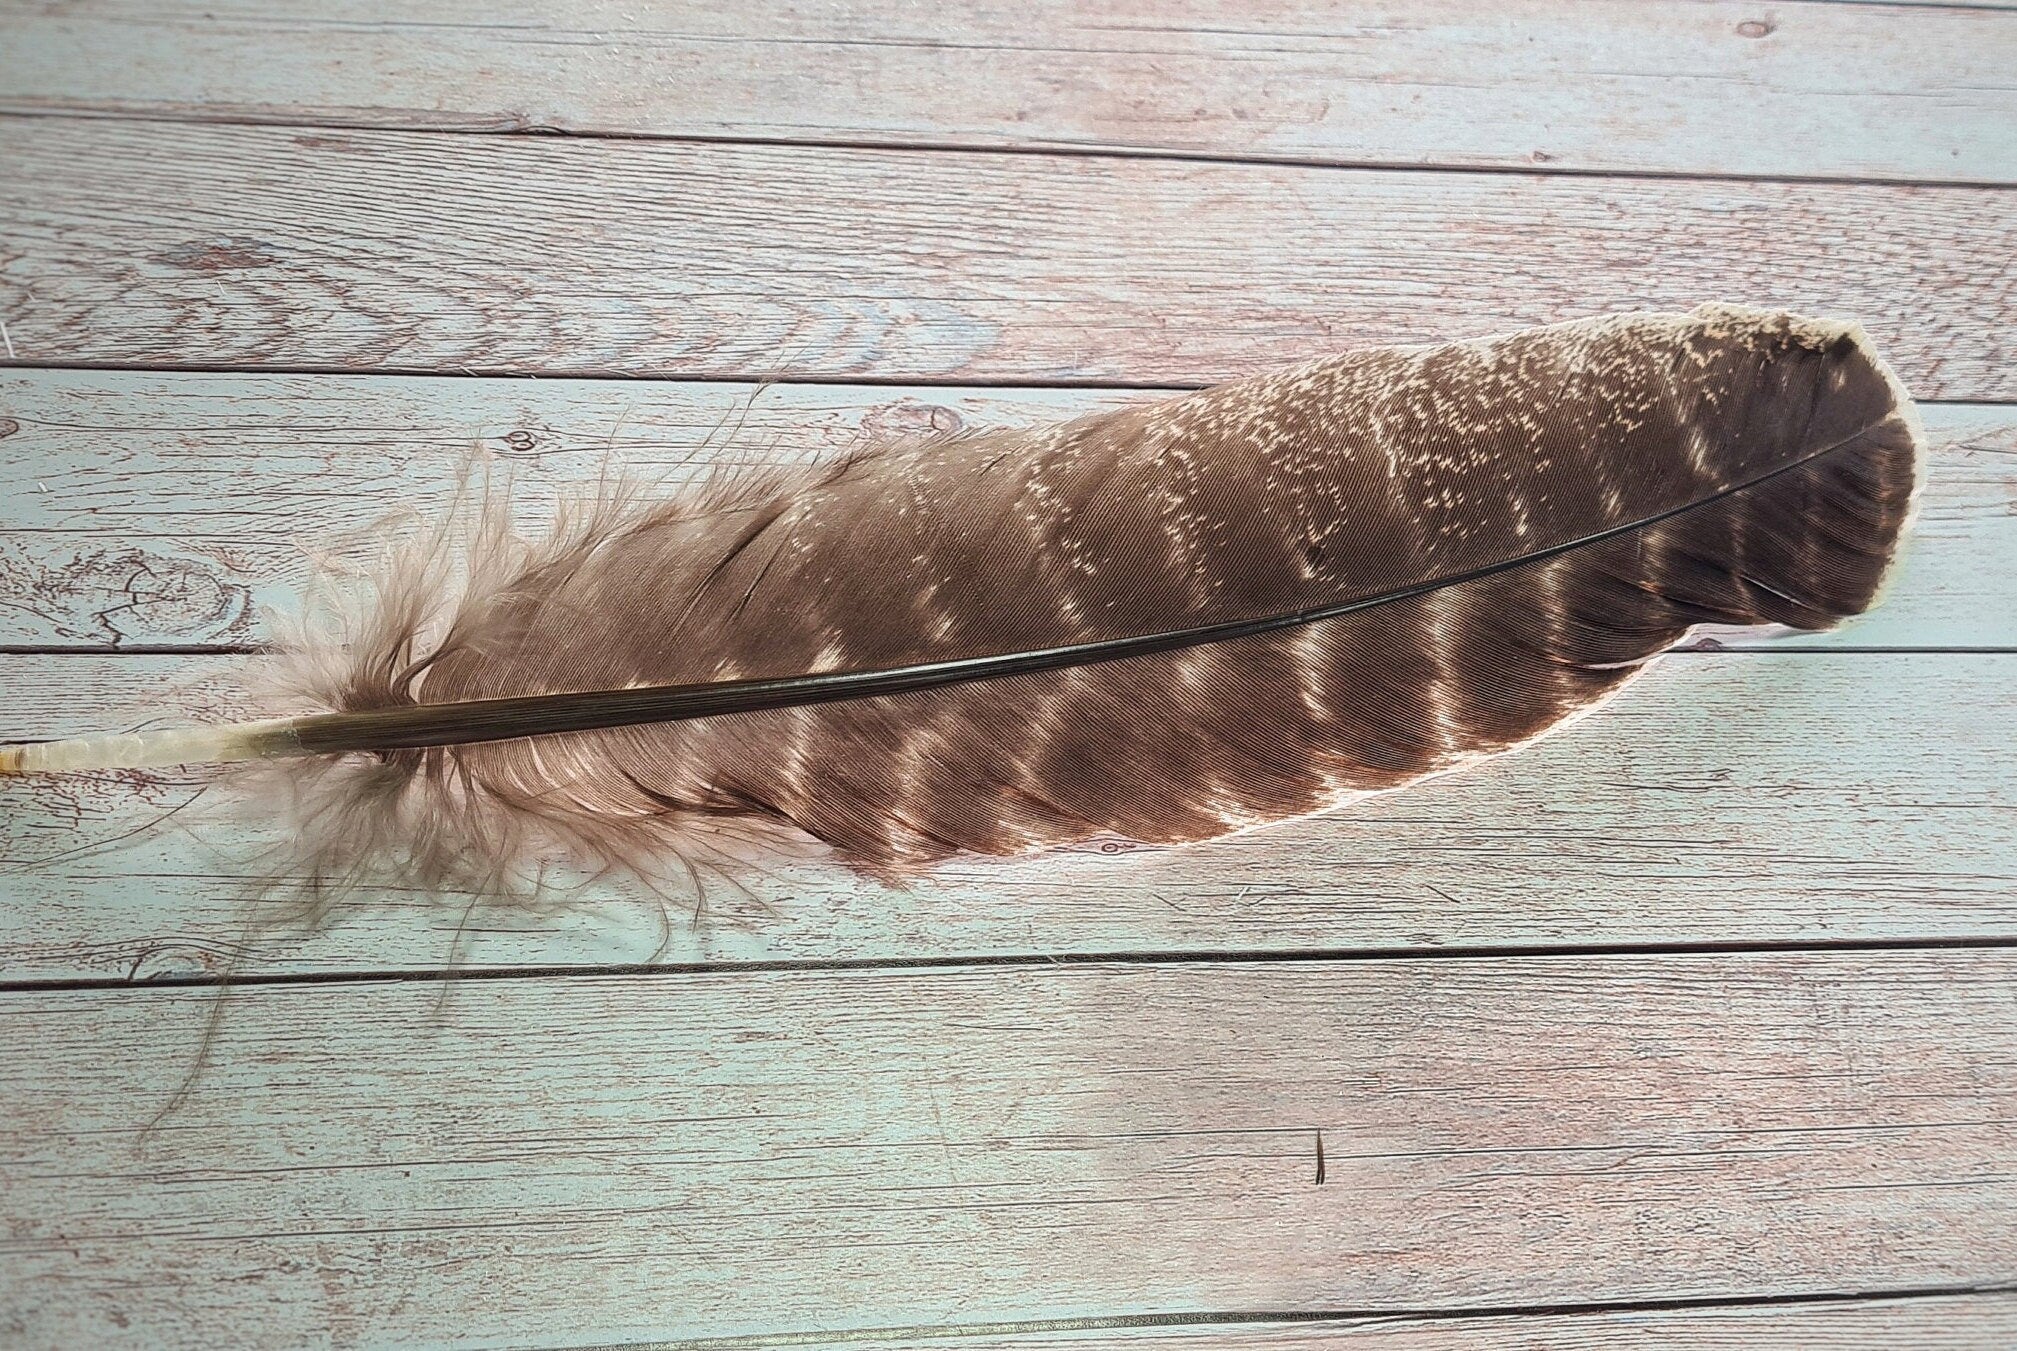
(209, 246)
(973, 1155)
(1624, 85)
(554, 1161)
(141, 509)
(1722, 799)
(1947, 1323)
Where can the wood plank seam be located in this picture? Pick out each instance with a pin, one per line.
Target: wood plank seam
(956, 147)
(1203, 1319)
(977, 962)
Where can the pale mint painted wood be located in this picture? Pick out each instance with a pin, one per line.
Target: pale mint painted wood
(561, 1161)
(200, 246)
(555, 1159)
(1670, 86)
(141, 508)
(1948, 1323)
(1736, 798)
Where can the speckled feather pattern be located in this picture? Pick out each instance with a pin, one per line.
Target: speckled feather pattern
(1346, 477)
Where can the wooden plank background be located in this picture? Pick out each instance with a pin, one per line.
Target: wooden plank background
(606, 1155)
(206, 247)
(1691, 1027)
(1642, 86)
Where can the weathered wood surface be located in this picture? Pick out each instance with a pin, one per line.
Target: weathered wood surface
(140, 508)
(605, 1159)
(207, 246)
(1798, 90)
(1722, 799)
(1014, 1151)
(1949, 1323)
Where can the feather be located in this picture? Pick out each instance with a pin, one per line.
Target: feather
(1167, 623)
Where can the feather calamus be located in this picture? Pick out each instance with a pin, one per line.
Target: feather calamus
(1167, 622)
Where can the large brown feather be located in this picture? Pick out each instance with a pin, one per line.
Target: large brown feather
(1525, 521)
(1350, 477)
